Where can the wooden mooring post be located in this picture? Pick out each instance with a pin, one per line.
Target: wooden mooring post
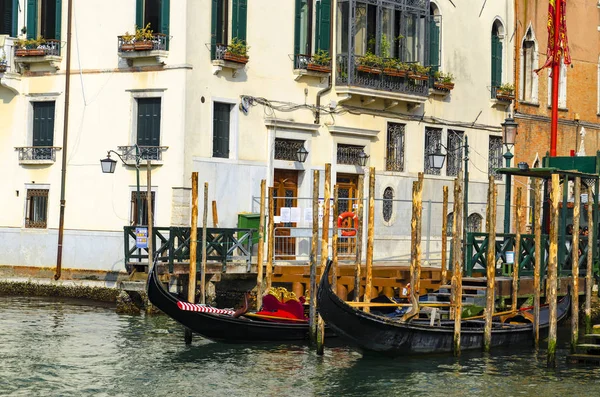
(324, 251)
(575, 266)
(312, 308)
(261, 245)
(359, 236)
(444, 234)
(334, 240)
(589, 267)
(537, 230)
(193, 251)
(370, 238)
(552, 268)
(270, 239)
(415, 247)
(215, 214)
(491, 265)
(204, 243)
(457, 263)
(517, 253)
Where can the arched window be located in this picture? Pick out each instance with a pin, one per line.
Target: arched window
(529, 63)
(497, 37)
(435, 26)
(388, 204)
(474, 222)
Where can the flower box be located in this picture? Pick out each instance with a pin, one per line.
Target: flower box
(394, 72)
(142, 45)
(418, 77)
(504, 95)
(235, 58)
(127, 47)
(2, 68)
(318, 68)
(368, 69)
(443, 86)
(29, 52)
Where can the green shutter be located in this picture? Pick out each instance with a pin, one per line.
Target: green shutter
(165, 16)
(324, 25)
(57, 28)
(148, 122)
(221, 130)
(43, 124)
(496, 63)
(15, 17)
(31, 19)
(213, 27)
(139, 13)
(239, 11)
(297, 26)
(235, 5)
(434, 45)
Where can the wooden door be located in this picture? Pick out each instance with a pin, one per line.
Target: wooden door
(285, 193)
(347, 202)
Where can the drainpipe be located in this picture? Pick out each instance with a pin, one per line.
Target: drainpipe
(331, 43)
(319, 94)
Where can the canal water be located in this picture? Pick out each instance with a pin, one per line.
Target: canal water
(71, 348)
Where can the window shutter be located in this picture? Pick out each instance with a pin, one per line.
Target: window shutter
(496, 62)
(165, 16)
(297, 27)
(43, 124)
(139, 13)
(242, 19)
(235, 5)
(7, 18)
(221, 130)
(148, 127)
(324, 25)
(57, 28)
(15, 17)
(31, 19)
(213, 27)
(434, 45)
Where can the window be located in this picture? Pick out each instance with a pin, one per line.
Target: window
(8, 17)
(286, 149)
(388, 204)
(435, 23)
(529, 63)
(349, 154)
(394, 160)
(304, 40)
(220, 14)
(36, 215)
(455, 155)
(148, 127)
(562, 85)
(141, 212)
(43, 18)
(433, 140)
(153, 12)
(495, 156)
(43, 130)
(221, 132)
(474, 222)
(303, 27)
(497, 34)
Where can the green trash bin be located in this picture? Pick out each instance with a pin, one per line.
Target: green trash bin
(248, 220)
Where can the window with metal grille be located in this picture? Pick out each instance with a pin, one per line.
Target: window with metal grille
(221, 123)
(455, 152)
(388, 204)
(474, 222)
(143, 202)
(287, 149)
(495, 156)
(37, 208)
(433, 140)
(349, 154)
(148, 127)
(394, 160)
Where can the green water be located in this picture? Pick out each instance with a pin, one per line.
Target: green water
(69, 348)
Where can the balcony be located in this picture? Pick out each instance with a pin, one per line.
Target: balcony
(349, 154)
(224, 59)
(353, 79)
(307, 66)
(38, 52)
(154, 50)
(37, 155)
(8, 77)
(152, 153)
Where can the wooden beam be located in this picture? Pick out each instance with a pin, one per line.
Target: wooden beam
(215, 214)
(491, 265)
(552, 269)
(575, 266)
(415, 247)
(537, 229)
(204, 242)
(444, 233)
(312, 308)
(334, 240)
(270, 239)
(359, 235)
(590, 262)
(457, 263)
(193, 240)
(370, 237)
(517, 251)
(261, 245)
(324, 252)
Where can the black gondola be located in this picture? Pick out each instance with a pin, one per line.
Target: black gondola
(224, 328)
(391, 337)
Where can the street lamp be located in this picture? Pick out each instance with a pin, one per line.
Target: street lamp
(109, 165)
(509, 133)
(301, 154)
(362, 158)
(437, 158)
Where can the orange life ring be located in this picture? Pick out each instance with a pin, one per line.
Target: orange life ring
(345, 215)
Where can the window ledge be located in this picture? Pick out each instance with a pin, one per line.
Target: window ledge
(300, 73)
(500, 102)
(220, 64)
(527, 103)
(159, 56)
(143, 162)
(52, 60)
(36, 162)
(441, 93)
(560, 109)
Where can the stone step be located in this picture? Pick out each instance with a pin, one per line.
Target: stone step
(592, 336)
(588, 346)
(584, 359)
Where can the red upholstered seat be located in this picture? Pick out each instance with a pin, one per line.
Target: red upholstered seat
(272, 304)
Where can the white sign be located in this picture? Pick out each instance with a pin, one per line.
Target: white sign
(276, 219)
(141, 237)
(510, 257)
(285, 214)
(308, 214)
(295, 214)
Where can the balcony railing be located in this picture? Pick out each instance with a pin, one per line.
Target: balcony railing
(154, 153)
(348, 74)
(287, 149)
(349, 155)
(158, 43)
(307, 62)
(37, 153)
(394, 164)
(50, 47)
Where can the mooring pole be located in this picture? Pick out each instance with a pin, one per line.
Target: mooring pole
(150, 223)
(589, 267)
(370, 238)
(204, 243)
(418, 234)
(324, 252)
(334, 240)
(415, 247)
(261, 245)
(537, 230)
(270, 239)
(457, 264)
(575, 266)
(215, 214)
(444, 234)
(552, 269)
(193, 250)
(359, 235)
(491, 265)
(312, 308)
(516, 263)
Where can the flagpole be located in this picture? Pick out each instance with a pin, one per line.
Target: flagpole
(555, 78)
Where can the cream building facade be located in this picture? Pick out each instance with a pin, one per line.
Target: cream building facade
(191, 108)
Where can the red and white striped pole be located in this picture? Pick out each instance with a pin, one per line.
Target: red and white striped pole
(555, 77)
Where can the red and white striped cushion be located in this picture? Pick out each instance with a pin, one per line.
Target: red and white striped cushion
(192, 307)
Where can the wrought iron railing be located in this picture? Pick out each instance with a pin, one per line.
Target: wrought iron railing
(128, 153)
(218, 51)
(31, 153)
(49, 47)
(158, 43)
(307, 62)
(394, 164)
(287, 149)
(349, 154)
(348, 74)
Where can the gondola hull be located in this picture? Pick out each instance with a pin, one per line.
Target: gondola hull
(220, 327)
(392, 337)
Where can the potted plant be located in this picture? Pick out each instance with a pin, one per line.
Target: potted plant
(127, 41)
(30, 47)
(143, 38)
(370, 63)
(443, 81)
(395, 67)
(506, 92)
(320, 62)
(237, 51)
(418, 72)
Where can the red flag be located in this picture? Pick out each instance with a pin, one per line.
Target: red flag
(561, 50)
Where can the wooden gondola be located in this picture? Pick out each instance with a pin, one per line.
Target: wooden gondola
(392, 337)
(224, 327)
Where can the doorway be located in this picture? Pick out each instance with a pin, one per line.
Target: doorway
(347, 202)
(285, 195)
